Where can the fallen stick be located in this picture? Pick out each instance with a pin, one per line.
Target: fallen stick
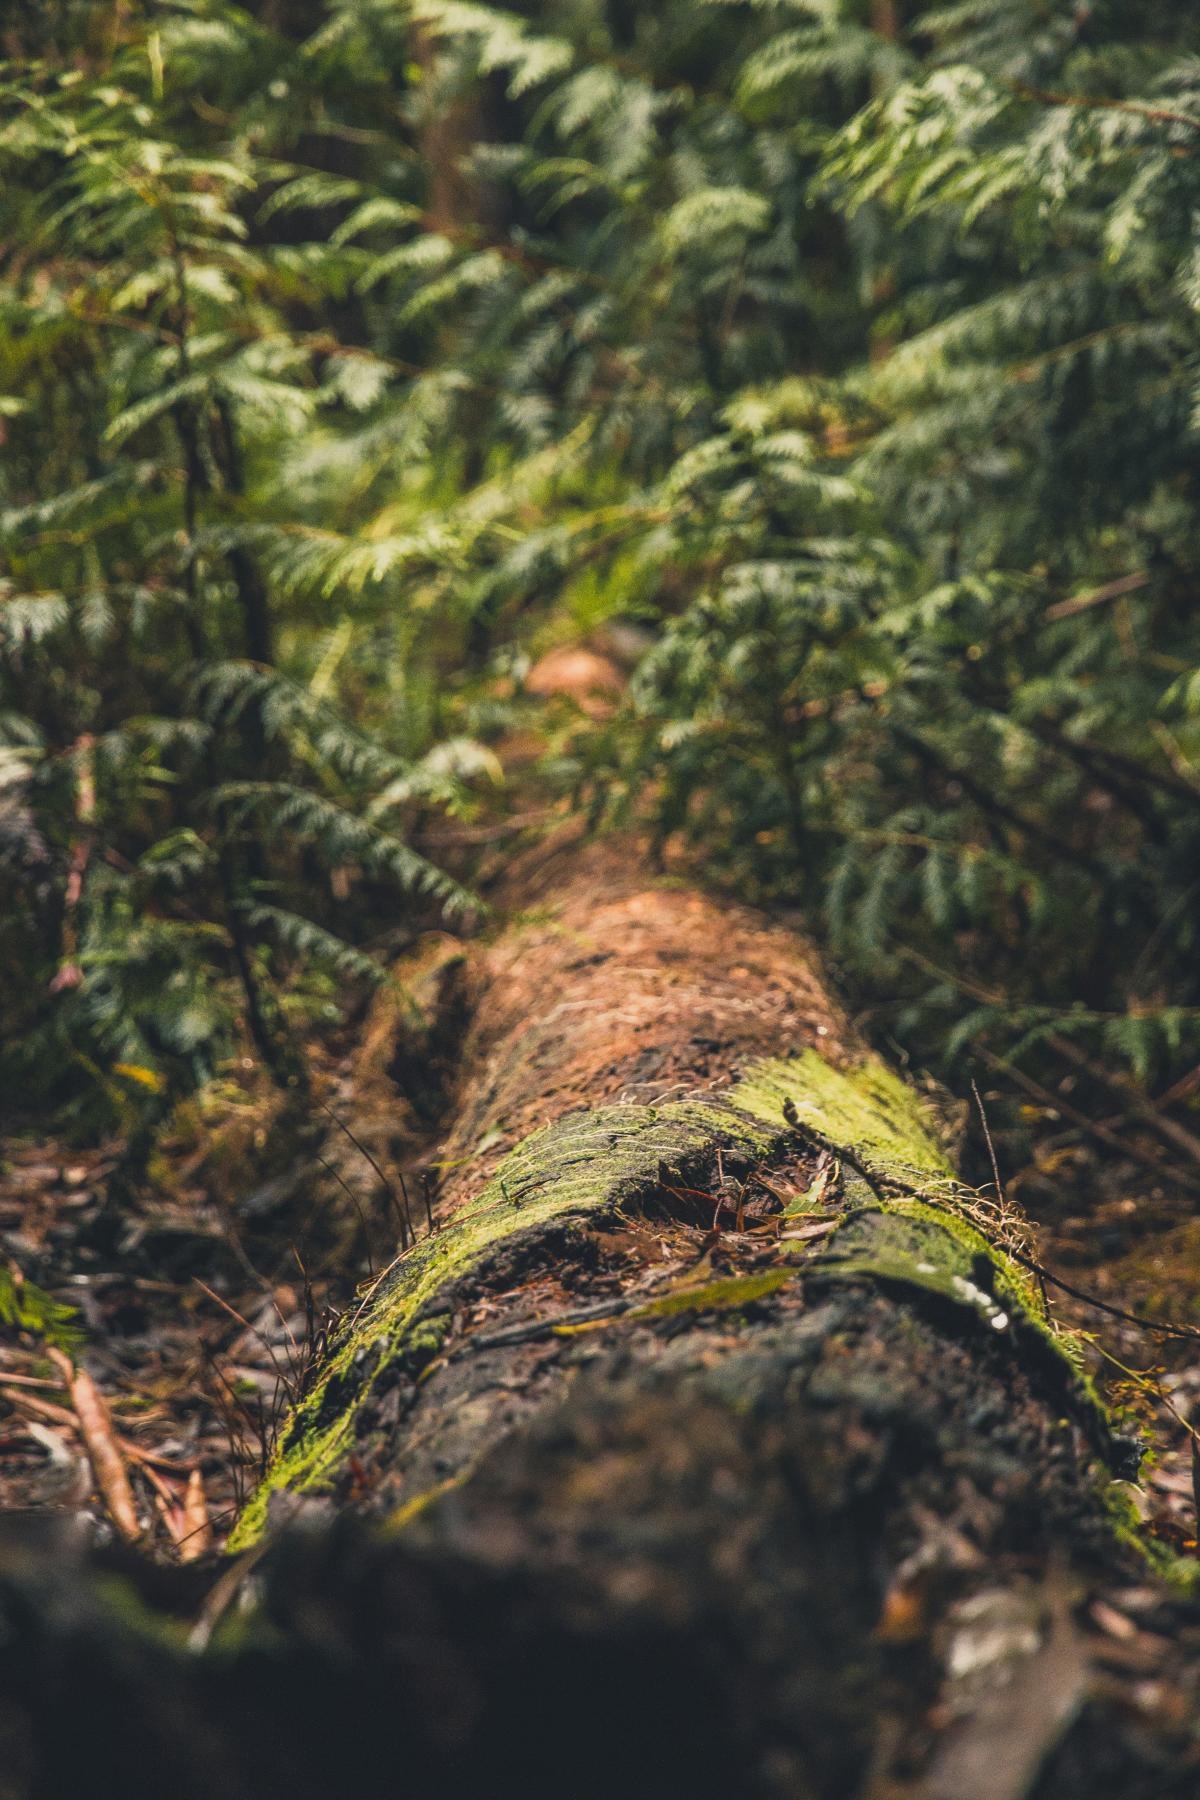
(1094, 1127)
(62, 1415)
(108, 1465)
(197, 1539)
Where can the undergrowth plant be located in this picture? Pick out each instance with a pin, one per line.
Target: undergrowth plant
(839, 356)
(185, 802)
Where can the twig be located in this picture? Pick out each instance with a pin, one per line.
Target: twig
(812, 1135)
(1190, 1333)
(999, 1185)
(286, 1383)
(310, 1325)
(1137, 1103)
(358, 1144)
(1183, 1089)
(1093, 1127)
(197, 1539)
(44, 1409)
(62, 1415)
(988, 1140)
(95, 1423)
(222, 1595)
(1157, 115)
(166, 1498)
(1112, 590)
(357, 1205)
(236, 1413)
(1168, 1330)
(405, 1222)
(363, 1151)
(543, 1328)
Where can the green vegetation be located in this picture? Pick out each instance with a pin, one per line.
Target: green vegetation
(839, 361)
(602, 1162)
(26, 1307)
(588, 1162)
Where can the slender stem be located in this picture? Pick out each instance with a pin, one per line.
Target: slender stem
(251, 589)
(1157, 115)
(270, 1038)
(193, 463)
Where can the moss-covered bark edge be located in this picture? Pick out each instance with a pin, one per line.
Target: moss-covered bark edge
(598, 1161)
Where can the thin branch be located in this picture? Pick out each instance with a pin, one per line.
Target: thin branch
(1112, 590)
(1164, 1171)
(991, 1148)
(357, 1205)
(1156, 115)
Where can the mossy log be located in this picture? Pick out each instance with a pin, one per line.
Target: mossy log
(716, 1441)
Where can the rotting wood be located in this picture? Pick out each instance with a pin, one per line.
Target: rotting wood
(647, 1494)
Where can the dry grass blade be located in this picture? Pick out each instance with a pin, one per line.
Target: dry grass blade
(108, 1465)
(285, 1378)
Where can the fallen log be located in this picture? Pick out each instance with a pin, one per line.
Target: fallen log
(714, 1440)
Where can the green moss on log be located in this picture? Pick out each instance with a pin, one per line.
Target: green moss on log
(730, 1294)
(592, 1163)
(867, 1108)
(583, 1164)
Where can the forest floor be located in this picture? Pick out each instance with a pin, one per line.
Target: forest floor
(202, 1301)
(202, 1297)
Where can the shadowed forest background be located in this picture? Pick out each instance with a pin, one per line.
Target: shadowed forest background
(771, 428)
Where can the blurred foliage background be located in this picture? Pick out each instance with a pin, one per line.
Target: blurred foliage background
(831, 367)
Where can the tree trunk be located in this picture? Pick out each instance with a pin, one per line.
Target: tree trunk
(713, 1442)
(457, 201)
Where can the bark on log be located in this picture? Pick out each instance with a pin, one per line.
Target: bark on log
(712, 1443)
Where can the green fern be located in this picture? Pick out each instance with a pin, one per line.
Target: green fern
(26, 1307)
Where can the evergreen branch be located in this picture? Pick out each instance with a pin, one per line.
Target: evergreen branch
(1156, 115)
